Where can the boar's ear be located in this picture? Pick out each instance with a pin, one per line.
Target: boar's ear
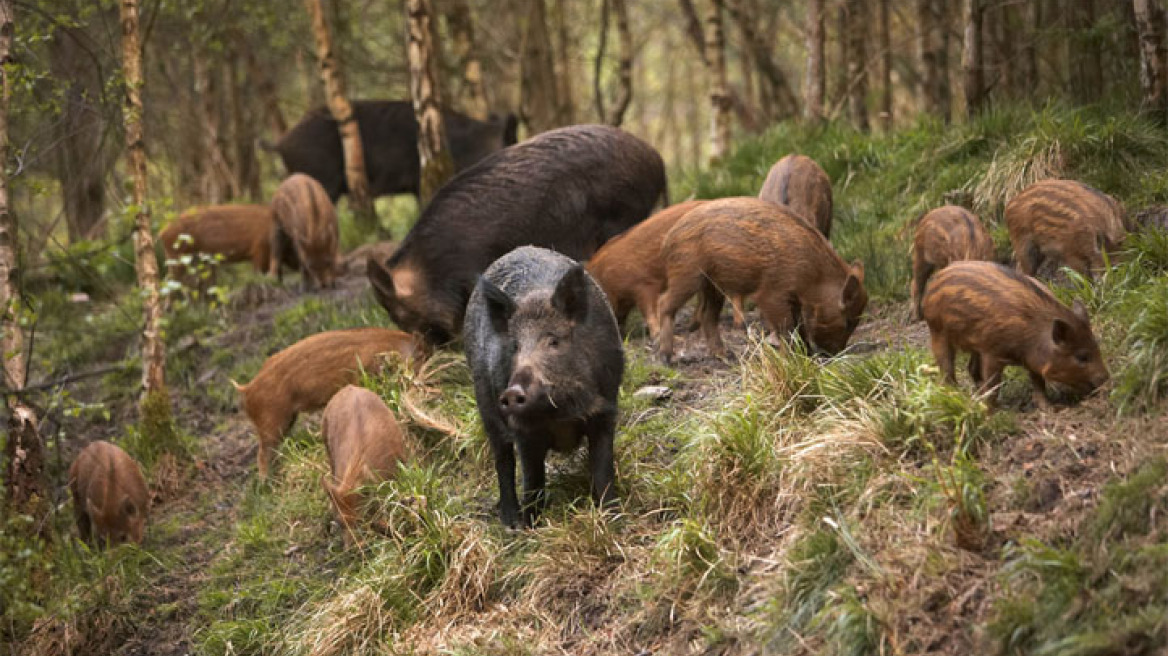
(858, 269)
(571, 295)
(500, 306)
(382, 281)
(1080, 310)
(1060, 332)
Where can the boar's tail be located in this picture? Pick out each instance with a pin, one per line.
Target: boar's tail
(238, 387)
(665, 195)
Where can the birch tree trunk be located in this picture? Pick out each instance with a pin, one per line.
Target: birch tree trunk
(857, 47)
(1153, 57)
(265, 87)
(564, 69)
(472, 92)
(342, 111)
(24, 476)
(540, 105)
(437, 166)
(720, 103)
(786, 104)
(972, 64)
(154, 408)
(816, 78)
(624, 74)
(885, 67)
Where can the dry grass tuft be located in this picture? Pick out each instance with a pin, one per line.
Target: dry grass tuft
(354, 621)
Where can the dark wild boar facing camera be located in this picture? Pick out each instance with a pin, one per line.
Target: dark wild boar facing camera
(569, 190)
(547, 361)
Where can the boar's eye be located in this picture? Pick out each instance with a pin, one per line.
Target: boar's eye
(553, 341)
(1083, 357)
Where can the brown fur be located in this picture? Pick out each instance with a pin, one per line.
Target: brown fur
(630, 270)
(365, 445)
(1002, 317)
(762, 251)
(1065, 222)
(802, 185)
(946, 234)
(110, 498)
(238, 233)
(306, 221)
(304, 376)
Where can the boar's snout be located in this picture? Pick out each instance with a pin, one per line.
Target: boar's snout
(521, 391)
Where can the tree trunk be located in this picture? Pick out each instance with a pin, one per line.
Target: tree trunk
(243, 130)
(265, 88)
(330, 73)
(564, 72)
(540, 106)
(1085, 53)
(1153, 57)
(598, 62)
(814, 85)
(1030, 77)
(24, 475)
(625, 73)
(1005, 50)
(857, 58)
(154, 408)
(81, 161)
(216, 186)
(760, 50)
(972, 65)
(885, 67)
(720, 102)
(436, 164)
(472, 93)
(693, 27)
(944, 88)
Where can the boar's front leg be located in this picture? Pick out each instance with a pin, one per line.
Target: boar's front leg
(504, 453)
(533, 456)
(601, 430)
(1041, 400)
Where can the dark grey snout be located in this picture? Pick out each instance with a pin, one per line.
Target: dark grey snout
(513, 400)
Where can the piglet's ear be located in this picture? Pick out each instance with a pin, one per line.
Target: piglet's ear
(852, 287)
(1080, 310)
(571, 295)
(500, 306)
(1060, 332)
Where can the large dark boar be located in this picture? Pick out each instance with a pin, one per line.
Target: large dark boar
(305, 222)
(760, 250)
(570, 190)
(946, 234)
(365, 445)
(547, 361)
(110, 498)
(1066, 223)
(389, 139)
(304, 376)
(802, 185)
(1002, 317)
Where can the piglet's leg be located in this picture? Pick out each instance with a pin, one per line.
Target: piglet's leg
(991, 375)
(943, 353)
(1041, 400)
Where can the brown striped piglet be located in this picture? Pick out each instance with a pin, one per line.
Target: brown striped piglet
(1065, 223)
(1002, 317)
(304, 376)
(365, 446)
(946, 234)
(306, 223)
(110, 498)
(631, 272)
(760, 250)
(799, 183)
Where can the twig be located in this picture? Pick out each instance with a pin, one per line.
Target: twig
(64, 380)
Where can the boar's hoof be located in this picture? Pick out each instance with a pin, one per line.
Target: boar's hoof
(513, 400)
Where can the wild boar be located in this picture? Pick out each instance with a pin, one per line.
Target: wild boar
(110, 499)
(304, 376)
(365, 445)
(763, 251)
(389, 140)
(1002, 317)
(1154, 217)
(570, 190)
(547, 361)
(306, 222)
(236, 233)
(943, 235)
(631, 272)
(802, 185)
(1066, 223)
